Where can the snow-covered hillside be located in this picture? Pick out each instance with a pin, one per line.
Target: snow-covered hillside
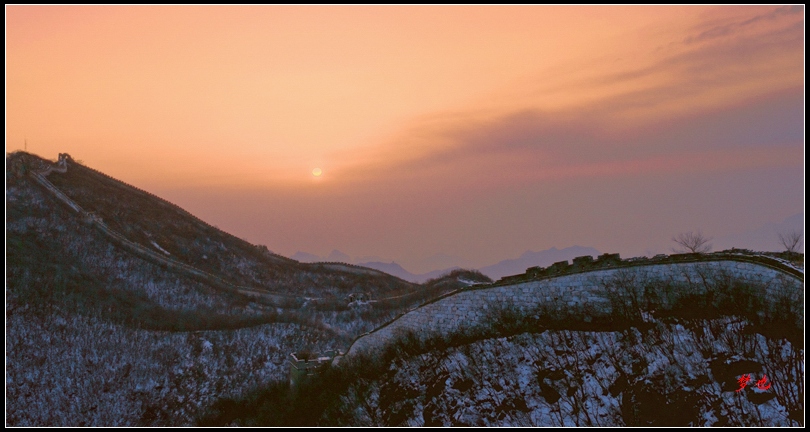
(99, 336)
(672, 373)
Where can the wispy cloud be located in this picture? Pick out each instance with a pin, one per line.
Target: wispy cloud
(738, 26)
(722, 100)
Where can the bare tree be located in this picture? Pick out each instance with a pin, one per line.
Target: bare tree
(692, 242)
(791, 240)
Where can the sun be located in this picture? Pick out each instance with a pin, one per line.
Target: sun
(317, 172)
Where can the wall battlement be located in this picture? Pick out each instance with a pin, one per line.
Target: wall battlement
(606, 261)
(581, 286)
(304, 365)
(40, 170)
(563, 283)
(262, 296)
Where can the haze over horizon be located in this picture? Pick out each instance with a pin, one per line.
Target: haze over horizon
(407, 132)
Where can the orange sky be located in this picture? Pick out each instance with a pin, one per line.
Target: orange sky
(431, 124)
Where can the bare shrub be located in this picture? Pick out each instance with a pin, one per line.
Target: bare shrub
(692, 242)
(623, 292)
(791, 240)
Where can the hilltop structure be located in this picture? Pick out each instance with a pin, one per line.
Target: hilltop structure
(306, 364)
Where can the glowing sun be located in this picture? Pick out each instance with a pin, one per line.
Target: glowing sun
(317, 172)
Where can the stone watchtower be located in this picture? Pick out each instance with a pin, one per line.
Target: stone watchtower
(307, 364)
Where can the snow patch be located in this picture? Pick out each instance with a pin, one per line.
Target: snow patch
(159, 248)
(469, 282)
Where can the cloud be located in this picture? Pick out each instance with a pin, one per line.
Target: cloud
(735, 27)
(722, 101)
(564, 147)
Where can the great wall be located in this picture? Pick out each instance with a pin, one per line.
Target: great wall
(580, 284)
(39, 174)
(119, 240)
(583, 285)
(261, 296)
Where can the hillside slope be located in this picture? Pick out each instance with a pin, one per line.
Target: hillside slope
(99, 335)
(164, 228)
(673, 373)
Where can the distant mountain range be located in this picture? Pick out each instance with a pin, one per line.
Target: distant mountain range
(306, 257)
(495, 271)
(334, 256)
(395, 269)
(376, 263)
(530, 259)
(764, 238)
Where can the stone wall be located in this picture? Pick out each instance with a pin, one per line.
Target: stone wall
(149, 255)
(562, 285)
(257, 294)
(67, 158)
(473, 307)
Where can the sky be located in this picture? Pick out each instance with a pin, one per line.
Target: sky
(475, 133)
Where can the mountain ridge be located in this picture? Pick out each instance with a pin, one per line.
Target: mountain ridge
(507, 267)
(99, 336)
(148, 224)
